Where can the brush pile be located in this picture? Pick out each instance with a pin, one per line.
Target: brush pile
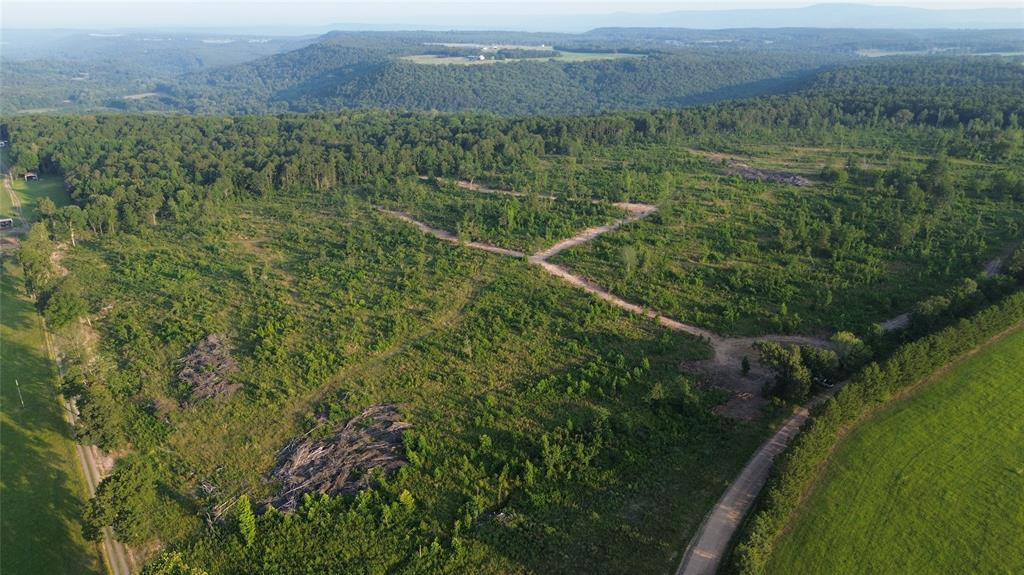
(343, 462)
(762, 175)
(206, 368)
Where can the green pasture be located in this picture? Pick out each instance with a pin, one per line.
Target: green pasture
(41, 488)
(434, 59)
(934, 484)
(31, 192)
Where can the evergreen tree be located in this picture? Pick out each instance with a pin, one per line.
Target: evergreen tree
(246, 520)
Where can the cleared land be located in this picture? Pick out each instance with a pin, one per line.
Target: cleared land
(32, 192)
(41, 489)
(934, 484)
(724, 252)
(434, 59)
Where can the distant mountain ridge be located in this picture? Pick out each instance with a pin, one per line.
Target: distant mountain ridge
(542, 73)
(829, 16)
(462, 16)
(846, 15)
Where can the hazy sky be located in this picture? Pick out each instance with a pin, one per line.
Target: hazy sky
(283, 13)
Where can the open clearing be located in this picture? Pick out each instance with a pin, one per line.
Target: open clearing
(42, 489)
(434, 59)
(934, 484)
(31, 192)
(727, 353)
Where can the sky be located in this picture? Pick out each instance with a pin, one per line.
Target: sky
(301, 13)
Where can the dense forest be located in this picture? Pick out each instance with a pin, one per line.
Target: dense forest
(325, 76)
(231, 300)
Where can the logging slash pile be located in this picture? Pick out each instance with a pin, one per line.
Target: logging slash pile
(344, 461)
(761, 175)
(206, 368)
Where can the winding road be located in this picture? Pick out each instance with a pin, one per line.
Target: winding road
(728, 352)
(708, 546)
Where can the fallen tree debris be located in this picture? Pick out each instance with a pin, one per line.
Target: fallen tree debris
(763, 175)
(206, 368)
(343, 462)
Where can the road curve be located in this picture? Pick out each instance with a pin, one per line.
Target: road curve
(728, 351)
(706, 549)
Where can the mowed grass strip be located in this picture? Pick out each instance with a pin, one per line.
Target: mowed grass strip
(934, 484)
(45, 187)
(41, 488)
(6, 206)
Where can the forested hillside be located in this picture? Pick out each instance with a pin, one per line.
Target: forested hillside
(75, 71)
(604, 69)
(329, 77)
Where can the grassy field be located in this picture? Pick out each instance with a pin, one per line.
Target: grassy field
(41, 490)
(6, 207)
(31, 192)
(477, 349)
(934, 484)
(433, 59)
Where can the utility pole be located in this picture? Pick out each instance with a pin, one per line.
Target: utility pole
(20, 398)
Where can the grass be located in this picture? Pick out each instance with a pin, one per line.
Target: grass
(41, 489)
(469, 344)
(934, 484)
(6, 207)
(31, 192)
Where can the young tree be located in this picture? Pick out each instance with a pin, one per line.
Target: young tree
(65, 304)
(35, 259)
(67, 220)
(851, 350)
(246, 520)
(46, 208)
(171, 564)
(629, 259)
(792, 377)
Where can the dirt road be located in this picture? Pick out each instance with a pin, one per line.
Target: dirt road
(95, 465)
(902, 321)
(450, 237)
(9, 237)
(723, 368)
(485, 190)
(636, 212)
(705, 551)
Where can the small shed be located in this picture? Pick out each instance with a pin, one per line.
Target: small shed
(31, 176)
(6, 223)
